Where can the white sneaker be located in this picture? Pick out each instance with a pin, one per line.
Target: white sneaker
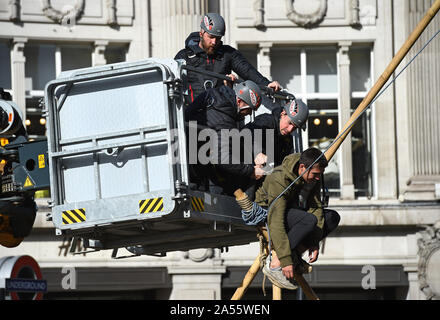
(277, 277)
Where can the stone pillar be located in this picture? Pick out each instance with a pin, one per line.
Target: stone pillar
(198, 276)
(179, 20)
(225, 12)
(263, 59)
(98, 56)
(345, 164)
(18, 61)
(384, 110)
(423, 112)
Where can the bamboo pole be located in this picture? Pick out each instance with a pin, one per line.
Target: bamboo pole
(384, 77)
(308, 291)
(276, 293)
(299, 278)
(255, 267)
(248, 278)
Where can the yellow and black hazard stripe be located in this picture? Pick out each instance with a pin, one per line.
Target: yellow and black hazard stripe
(197, 204)
(151, 205)
(74, 216)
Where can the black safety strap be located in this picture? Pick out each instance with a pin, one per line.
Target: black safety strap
(269, 91)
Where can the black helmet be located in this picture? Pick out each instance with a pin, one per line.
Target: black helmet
(298, 113)
(214, 24)
(249, 92)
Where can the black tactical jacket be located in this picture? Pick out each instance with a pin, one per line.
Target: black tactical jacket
(282, 145)
(225, 60)
(217, 109)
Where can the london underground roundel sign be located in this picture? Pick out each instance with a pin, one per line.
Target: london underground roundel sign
(21, 278)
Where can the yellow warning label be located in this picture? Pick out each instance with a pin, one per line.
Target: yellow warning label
(151, 205)
(28, 183)
(197, 204)
(41, 163)
(74, 216)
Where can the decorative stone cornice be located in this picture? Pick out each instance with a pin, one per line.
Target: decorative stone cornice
(99, 53)
(60, 16)
(429, 245)
(199, 255)
(18, 45)
(306, 20)
(344, 50)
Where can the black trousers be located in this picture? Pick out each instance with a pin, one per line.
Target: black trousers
(301, 225)
(221, 182)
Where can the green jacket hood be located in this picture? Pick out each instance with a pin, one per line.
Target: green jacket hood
(290, 165)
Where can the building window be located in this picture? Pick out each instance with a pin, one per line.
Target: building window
(321, 71)
(5, 66)
(360, 73)
(361, 153)
(35, 122)
(250, 53)
(114, 54)
(322, 128)
(311, 73)
(40, 66)
(290, 80)
(361, 76)
(75, 57)
(44, 62)
(213, 6)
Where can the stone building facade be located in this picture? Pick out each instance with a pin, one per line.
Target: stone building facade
(384, 181)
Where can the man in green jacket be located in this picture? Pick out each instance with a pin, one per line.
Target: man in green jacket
(297, 220)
